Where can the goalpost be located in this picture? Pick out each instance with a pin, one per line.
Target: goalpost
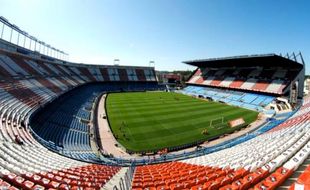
(217, 122)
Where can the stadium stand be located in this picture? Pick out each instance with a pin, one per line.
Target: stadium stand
(242, 99)
(265, 83)
(27, 85)
(31, 167)
(264, 162)
(303, 181)
(47, 105)
(69, 122)
(64, 126)
(253, 73)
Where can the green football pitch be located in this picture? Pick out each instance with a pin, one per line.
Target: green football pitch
(145, 121)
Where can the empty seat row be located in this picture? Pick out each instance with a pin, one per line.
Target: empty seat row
(240, 99)
(263, 162)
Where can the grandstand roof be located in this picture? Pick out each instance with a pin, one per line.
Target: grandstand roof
(246, 61)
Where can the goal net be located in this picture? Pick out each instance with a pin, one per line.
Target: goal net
(217, 123)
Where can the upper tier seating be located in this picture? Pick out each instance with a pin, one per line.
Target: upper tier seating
(15, 66)
(31, 83)
(260, 80)
(247, 100)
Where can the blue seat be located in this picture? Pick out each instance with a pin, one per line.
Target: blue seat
(247, 100)
(60, 127)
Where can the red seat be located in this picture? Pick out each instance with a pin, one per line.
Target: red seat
(89, 188)
(50, 176)
(228, 187)
(137, 185)
(58, 178)
(35, 178)
(275, 179)
(198, 187)
(247, 181)
(38, 187)
(44, 182)
(303, 180)
(66, 180)
(75, 187)
(28, 185)
(13, 188)
(258, 175)
(176, 186)
(238, 184)
(162, 187)
(54, 184)
(74, 183)
(18, 181)
(214, 186)
(227, 180)
(10, 177)
(272, 181)
(4, 184)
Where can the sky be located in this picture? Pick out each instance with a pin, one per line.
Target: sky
(164, 31)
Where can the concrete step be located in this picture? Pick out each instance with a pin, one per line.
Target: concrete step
(115, 179)
(286, 185)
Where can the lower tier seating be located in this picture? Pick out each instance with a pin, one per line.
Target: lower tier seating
(242, 99)
(30, 167)
(64, 125)
(303, 181)
(26, 164)
(264, 162)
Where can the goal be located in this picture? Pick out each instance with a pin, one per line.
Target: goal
(217, 123)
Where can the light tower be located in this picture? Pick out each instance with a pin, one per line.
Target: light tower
(116, 61)
(151, 63)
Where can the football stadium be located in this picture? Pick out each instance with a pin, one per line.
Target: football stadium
(239, 122)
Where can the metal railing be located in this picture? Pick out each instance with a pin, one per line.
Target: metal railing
(125, 183)
(13, 34)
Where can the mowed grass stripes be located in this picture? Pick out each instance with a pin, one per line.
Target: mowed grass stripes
(146, 121)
